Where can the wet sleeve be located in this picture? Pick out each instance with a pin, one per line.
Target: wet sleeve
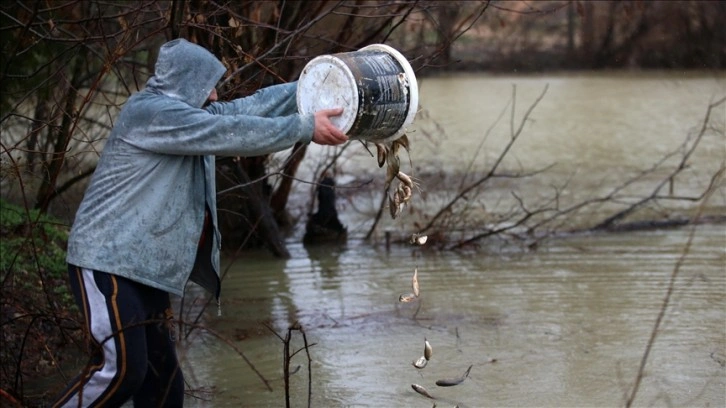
(276, 100)
(180, 129)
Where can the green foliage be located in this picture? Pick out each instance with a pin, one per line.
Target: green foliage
(33, 270)
(38, 315)
(31, 243)
(32, 260)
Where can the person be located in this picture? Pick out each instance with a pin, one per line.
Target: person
(147, 223)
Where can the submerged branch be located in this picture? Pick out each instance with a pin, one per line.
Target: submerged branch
(608, 222)
(515, 134)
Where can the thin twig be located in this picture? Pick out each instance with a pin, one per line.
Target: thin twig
(666, 301)
(516, 133)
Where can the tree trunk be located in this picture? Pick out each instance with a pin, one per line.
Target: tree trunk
(447, 17)
(54, 164)
(278, 201)
(39, 123)
(251, 203)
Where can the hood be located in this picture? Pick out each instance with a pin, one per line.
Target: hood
(186, 71)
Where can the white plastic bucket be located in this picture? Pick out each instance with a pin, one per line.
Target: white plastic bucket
(375, 86)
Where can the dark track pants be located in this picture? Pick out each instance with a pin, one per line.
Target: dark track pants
(133, 349)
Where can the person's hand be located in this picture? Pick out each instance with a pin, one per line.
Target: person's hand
(326, 133)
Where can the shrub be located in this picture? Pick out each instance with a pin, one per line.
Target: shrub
(38, 315)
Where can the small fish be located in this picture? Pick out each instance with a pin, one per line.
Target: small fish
(421, 390)
(417, 239)
(428, 350)
(403, 142)
(449, 382)
(381, 152)
(391, 171)
(393, 148)
(405, 192)
(414, 283)
(395, 205)
(405, 179)
(405, 298)
(421, 362)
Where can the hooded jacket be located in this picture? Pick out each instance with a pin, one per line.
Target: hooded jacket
(143, 212)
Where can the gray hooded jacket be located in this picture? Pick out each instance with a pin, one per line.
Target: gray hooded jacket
(143, 212)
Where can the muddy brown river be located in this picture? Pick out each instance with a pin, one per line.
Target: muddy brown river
(565, 325)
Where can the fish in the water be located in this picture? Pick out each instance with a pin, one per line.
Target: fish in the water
(449, 382)
(421, 362)
(417, 239)
(428, 350)
(421, 390)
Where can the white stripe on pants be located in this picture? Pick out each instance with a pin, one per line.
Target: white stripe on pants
(102, 331)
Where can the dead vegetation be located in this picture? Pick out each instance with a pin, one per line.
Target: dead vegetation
(68, 67)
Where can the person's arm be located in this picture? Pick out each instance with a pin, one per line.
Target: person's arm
(280, 100)
(177, 128)
(275, 100)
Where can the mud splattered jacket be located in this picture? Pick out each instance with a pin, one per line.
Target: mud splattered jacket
(143, 212)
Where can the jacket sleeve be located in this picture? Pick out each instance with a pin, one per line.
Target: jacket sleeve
(177, 128)
(276, 100)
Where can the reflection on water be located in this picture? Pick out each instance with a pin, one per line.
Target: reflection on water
(565, 325)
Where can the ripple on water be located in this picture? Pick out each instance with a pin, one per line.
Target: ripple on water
(569, 322)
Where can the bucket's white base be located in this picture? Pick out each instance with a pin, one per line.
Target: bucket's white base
(328, 83)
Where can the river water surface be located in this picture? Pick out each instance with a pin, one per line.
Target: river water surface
(565, 325)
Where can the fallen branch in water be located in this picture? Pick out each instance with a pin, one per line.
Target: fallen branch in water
(655, 195)
(515, 133)
(469, 212)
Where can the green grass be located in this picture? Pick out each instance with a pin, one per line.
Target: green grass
(38, 315)
(30, 244)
